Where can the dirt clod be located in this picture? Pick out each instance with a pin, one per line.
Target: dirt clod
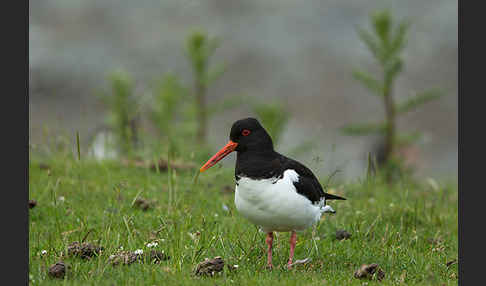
(210, 266)
(84, 250)
(124, 257)
(452, 262)
(143, 204)
(57, 270)
(435, 241)
(156, 256)
(227, 189)
(369, 271)
(342, 234)
(32, 204)
(129, 257)
(44, 166)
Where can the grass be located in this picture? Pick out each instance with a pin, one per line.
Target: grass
(391, 226)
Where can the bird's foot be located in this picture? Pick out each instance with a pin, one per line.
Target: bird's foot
(269, 266)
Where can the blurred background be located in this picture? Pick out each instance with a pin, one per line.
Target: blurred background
(299, 54)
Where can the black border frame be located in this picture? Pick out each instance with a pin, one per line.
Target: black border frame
(15, 143)
(471, 88)
(16, 35)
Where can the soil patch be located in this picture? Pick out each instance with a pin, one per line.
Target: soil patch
(129, 257)
(32, 204)
(209, 267)
(57, 270)
(369, 271)
(342, 234)
(84, 250)
(143, 204)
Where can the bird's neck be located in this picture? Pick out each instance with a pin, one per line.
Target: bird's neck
(258, 164)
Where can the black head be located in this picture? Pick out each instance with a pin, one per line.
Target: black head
(246, 135)
(250, 135)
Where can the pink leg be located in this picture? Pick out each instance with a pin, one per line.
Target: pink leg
(269, 241)
(293, 241)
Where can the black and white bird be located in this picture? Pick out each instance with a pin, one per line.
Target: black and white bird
(272, 191)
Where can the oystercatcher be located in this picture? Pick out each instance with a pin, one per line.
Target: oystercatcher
(272, 191)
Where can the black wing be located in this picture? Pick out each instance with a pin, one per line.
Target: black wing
(308, 185)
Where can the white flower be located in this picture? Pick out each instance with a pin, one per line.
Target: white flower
(43, 252)
(215, 215)
(225, 207)
(235, 266)
(138, 251)
(121, 247)
(152, 244)
(61, 199)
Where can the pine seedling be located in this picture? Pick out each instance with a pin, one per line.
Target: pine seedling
(386, 42)
(123, 111)
(168, 96)
(199, 49)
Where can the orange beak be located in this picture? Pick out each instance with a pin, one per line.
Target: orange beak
(230, 147)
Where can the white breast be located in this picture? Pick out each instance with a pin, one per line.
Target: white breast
(275, 204)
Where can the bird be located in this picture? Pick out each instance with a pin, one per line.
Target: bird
(274, 192)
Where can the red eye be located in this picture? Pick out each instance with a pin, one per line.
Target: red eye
(245, 132)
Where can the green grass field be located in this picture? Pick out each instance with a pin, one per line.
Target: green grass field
(409, 229)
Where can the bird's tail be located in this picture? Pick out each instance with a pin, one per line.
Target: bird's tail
(333, 197)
